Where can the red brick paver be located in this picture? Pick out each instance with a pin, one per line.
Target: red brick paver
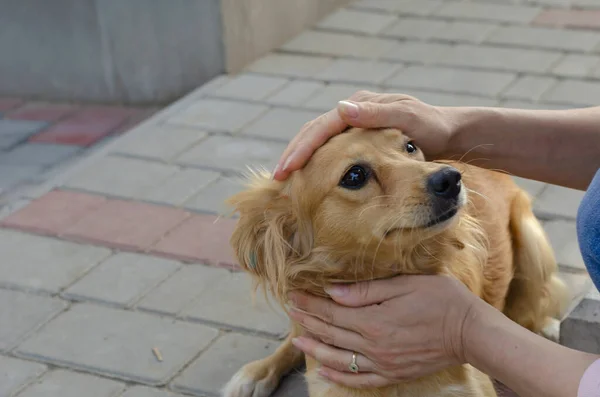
(569, 18)
(41, 112)
(9, 103)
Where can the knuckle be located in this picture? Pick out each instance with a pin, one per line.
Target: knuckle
(361, 95)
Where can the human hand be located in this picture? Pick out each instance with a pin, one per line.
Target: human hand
(429, 126)
(401, 328)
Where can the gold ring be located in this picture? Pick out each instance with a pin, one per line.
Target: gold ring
(353, 367)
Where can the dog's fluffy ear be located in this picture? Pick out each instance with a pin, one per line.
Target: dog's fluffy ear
(268, 237)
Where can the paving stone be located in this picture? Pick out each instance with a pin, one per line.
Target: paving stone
(569, 18)
(578, 284)
(39, 111)
(529, 87)
(452, 80)
(465, 31)
(118, 343)
(358, 71)
(141, 391)
(533, 188)
(445, 99)
(213, 369)
(575, 92)
(180, 187)
(22, 314)
(511, 59)
(16, 373)
(119, 176)
(42, 263)
(489, 12)
(162, 142)
(330, 95)
(127, 225)
(72, 384)
(280, 123)
(538, 37)
(252, 87)
(122, 279)
(356, 21)
(580, 330)
(218, 115)
(295, 93)
(212, 198)
(292, 385)
(200, 239)
(563, 237)
(410, 7)
(233, 153)
(11, 175)
(182, 288)
(413, 51)
(577, 65)
(289, 65)
(15, 131)
(415, 28)
(38, 154)
(339, 44)
(559, 201)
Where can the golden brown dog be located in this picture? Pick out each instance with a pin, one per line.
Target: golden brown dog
(368, 206)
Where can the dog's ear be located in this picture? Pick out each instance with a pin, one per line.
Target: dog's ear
(269, 236)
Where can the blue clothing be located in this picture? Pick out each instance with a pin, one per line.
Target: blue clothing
(588, 229)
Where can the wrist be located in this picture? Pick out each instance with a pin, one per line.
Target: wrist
(464, 126)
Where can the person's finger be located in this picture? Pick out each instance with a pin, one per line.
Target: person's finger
(369, 293)
(376, 115)
(329, 356)
(355, 381)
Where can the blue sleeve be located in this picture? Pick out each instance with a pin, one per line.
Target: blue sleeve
(588, 229)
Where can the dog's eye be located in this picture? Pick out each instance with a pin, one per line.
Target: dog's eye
(356, 177)
(410, 147)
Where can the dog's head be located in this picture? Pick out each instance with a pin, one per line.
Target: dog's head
(366, 205)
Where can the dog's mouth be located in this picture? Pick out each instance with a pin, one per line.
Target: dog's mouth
(443, 218)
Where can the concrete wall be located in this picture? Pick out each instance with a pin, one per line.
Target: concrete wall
(138, 51)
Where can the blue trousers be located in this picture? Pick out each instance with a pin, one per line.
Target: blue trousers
(588, 229)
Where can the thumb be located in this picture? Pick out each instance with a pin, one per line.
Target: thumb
(369, 293)
(372, 114)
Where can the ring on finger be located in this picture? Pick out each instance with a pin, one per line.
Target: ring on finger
(353, 367)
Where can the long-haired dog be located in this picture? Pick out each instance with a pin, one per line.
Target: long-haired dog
(367, 206)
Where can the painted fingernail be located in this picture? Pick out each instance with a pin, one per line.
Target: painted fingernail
(348, 108)
(337, 290)
(288, 161)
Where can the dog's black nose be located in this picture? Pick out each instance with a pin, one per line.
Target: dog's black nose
(445, 183)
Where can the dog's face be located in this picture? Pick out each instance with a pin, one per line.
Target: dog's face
(362, 205)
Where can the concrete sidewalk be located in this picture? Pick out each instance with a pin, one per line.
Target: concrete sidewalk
(116, 279)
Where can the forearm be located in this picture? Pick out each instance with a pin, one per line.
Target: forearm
(527, 363)
(554, 146)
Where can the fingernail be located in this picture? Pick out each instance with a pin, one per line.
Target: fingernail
(298, 343)
(275, 171)
(337, 290)
(323, 372)
(288, 162)
(348, 108)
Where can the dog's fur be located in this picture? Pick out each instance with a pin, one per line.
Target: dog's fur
(308, 232)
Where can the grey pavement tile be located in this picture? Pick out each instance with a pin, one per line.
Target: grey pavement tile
(233, 307)
(292, 385)
(213, 369)
(16, 373)
(538, 37)
(233, 153)
(410, 7)
(358, 71)
(182, 288)
(15, 131)
(339, 44)
(445, 99)
(415, 28)
(61, 383)
(414, 51)
(356, 21)
(578, 284)
(452, 80)
(574, 92)
(579, 330)
(577, 65)
(558, 201)
(290, 65)
(533, 188)
(142, 391)
(212, 197)
(162, 142)
(120, 176)
(118, 343)
(295, 93)
(563, 237)
(217, 115)
(280, 123)
(501, 58)
(529, 87)
(489, 12)
(11, 175)
(122, 279)
(43, 263)
(465, 31)
(181, 186)
(330, 95)
(38, 154)
(22, 314)
(251, 87)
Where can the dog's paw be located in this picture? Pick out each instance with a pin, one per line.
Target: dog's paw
(253, 380)
(552, 330)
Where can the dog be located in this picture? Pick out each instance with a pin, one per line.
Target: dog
(369, 206)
